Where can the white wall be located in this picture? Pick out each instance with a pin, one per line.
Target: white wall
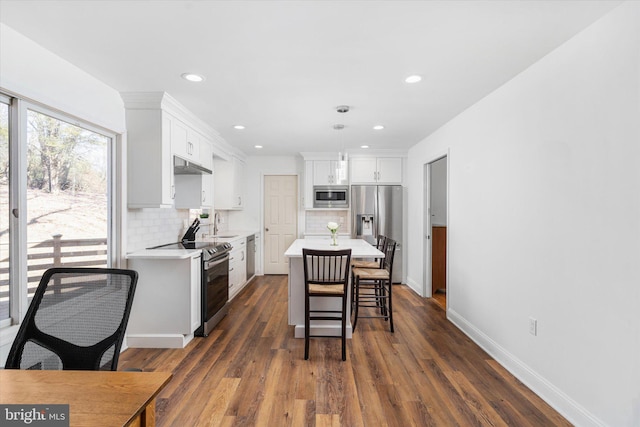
(255, 168)
(29, 70)
(545, 222)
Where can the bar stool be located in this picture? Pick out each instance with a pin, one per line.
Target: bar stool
(380, 244)
(326, 274)
(373, 287)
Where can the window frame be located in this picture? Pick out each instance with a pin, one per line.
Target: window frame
(18, 113)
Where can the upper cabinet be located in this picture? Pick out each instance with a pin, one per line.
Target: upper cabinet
(229, 183)
(149, 159)
(184, 141)
(376, 170)
(159, 128)
(329, 172)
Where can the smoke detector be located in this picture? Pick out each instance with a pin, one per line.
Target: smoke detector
(342, 109)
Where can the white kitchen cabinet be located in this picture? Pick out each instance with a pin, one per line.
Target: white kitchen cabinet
(194, 191)
(149, 159)
(157, 130)
(329, 172)
(322, 172)
(237, 266)
(229, 184)
(376, 170)
(185, 142)
(166, 309)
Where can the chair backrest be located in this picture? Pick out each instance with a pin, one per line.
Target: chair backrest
(326, 267)
(76, 320)
(389, 254)
(381, 245)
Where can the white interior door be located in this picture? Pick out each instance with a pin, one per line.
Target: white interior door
(280, 220)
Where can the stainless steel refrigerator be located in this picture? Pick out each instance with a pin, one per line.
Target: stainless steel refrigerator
(377, 209)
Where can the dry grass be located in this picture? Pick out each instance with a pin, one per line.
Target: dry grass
(75, 216)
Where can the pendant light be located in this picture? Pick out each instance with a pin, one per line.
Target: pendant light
(341, 164)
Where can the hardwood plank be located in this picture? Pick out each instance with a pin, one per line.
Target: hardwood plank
(251, 371)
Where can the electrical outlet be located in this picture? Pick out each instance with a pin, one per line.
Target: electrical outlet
(533, 326)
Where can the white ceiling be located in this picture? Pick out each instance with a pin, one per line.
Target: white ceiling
(282, 67)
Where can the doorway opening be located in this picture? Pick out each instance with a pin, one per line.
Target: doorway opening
(436, 221)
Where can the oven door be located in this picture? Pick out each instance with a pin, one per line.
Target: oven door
(215, 292)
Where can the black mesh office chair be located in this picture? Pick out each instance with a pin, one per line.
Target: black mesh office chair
(76, 320)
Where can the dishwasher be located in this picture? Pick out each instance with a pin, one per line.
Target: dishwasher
(251, 256)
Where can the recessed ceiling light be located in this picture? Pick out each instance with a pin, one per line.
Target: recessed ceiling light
(378, 127)
(239, 127)
(413, 79)
(258, 146)
(192, 77)
(364, 146)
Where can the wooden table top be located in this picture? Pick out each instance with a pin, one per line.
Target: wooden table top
(95, 398)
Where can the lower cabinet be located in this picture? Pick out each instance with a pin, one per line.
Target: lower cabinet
(166, 305)
(237, 266)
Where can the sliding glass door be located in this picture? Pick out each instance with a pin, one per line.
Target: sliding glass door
(56, 197)
(5, 291)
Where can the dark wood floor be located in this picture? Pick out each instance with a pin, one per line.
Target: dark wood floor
(250, 371)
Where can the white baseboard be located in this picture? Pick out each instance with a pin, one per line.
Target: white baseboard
(415, 286)
(158, 340)
(556, 398)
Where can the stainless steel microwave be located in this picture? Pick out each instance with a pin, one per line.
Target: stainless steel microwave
(331, 196)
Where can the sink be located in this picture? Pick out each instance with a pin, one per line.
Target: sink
(225, 236)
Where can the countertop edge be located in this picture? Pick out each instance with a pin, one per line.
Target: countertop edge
(187, 253)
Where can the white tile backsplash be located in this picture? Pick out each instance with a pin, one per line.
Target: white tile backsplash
(153, 227)
(316, 221)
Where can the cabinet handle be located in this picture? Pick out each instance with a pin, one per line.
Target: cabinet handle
(242, 256)
(173, 191)
(231, 269)
(204, 196)
(239, 201)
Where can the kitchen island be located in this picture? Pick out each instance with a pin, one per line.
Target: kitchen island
(359, 249)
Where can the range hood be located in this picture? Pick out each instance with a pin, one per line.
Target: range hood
(185, 167)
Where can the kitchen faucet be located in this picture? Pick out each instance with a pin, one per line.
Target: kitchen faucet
(215, 223)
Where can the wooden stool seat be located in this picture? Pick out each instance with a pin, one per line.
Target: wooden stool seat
(371, 273)
(365, 264)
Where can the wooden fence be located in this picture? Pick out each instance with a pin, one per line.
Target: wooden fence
(56, 253)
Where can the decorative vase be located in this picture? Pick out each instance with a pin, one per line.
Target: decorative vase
(334, 238)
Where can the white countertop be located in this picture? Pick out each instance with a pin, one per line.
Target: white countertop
(188, 253)
(359, 248)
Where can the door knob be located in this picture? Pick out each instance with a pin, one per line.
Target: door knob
(266, 229)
